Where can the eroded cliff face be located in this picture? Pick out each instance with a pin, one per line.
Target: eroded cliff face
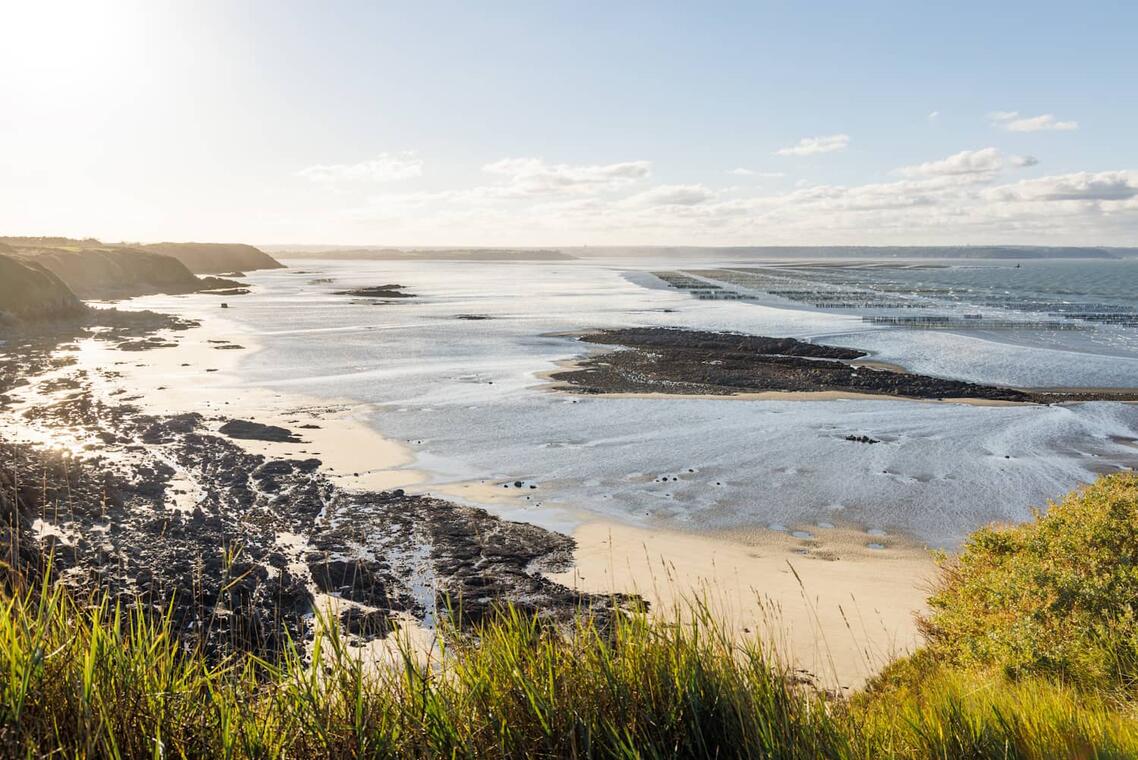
(28, 290)
(118, 272)
(210, 258)
(93, 270)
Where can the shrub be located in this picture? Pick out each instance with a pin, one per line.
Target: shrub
(1057, 596)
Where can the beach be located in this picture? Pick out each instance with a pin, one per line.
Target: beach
(837, 612)
(386, 453)
(847, 609)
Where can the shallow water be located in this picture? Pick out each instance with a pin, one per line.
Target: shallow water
(464, 394)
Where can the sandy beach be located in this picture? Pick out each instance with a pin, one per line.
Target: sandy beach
(839, 613)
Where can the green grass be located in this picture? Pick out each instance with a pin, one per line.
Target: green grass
(82, 678)
(92, 681)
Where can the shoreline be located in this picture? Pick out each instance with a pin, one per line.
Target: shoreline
(829, 603)
(151, 487)
(743, 573)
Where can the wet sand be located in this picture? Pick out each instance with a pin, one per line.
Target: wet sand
(162, 490)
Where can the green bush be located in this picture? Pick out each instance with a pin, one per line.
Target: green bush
(1057, 596)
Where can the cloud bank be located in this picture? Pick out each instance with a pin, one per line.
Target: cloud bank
(972, 196)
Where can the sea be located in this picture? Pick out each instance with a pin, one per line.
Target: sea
(457, 374)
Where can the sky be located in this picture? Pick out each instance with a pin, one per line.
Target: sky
(570, 123)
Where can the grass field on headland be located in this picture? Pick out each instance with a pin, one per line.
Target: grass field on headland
(1031, 652)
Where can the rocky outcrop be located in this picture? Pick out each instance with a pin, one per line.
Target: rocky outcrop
(255, 431)
(210, 258)
(377, 291)
(675, 361)
(30, 291)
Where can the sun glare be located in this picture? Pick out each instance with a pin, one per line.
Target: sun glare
(53, 43)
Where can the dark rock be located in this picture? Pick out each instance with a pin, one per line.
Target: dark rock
(248, 430)
(861, 439)
(686, 362)
(358, 580)
(377, 291)
(367, 625)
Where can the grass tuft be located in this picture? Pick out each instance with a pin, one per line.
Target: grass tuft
(88, 678)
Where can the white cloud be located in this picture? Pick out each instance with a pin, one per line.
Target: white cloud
(672, 195)
(958, 199)
(742, 172)
(386, 167)
(934, 115)
(1013, 122)
(535, 177)
(1079, 186)
(809, 146)
(981, 163)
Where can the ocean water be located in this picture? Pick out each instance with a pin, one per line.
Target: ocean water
(466, 395)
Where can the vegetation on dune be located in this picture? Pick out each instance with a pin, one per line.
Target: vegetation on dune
(1057, 596)
(98, 681)
(950, 714)
(94, 680)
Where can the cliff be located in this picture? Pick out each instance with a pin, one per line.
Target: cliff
(120, 272)
(205, 258)
(30, 291)
(94, 270)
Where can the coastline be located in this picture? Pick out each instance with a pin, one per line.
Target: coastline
(836, 603)
(151, 485)
(853, 609)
